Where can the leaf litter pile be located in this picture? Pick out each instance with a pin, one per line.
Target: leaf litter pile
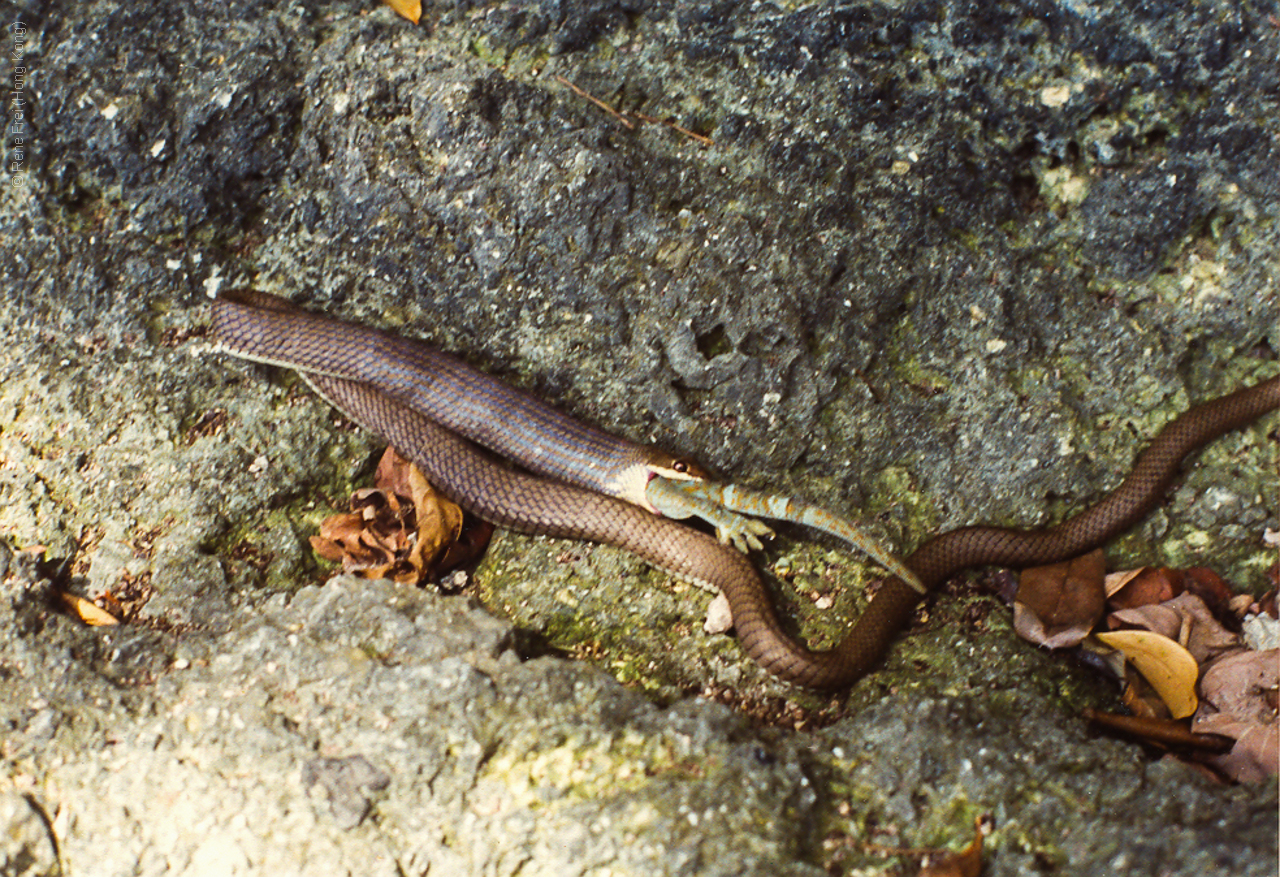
(400, 529)
(1200, 664)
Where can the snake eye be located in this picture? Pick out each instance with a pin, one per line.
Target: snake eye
(681, 466)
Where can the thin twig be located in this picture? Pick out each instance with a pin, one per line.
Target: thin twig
(595, 100)
(623, 116)
(705, 141)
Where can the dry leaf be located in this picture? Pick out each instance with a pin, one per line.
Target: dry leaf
(1058, 605)
(437, 513)
(87, 611)
(1267, 602)
(1240, 693)
(1141, 587)
(1169, 667)
(1117, 580)
(392, 474)
(1185, 620)
(410, 9)
(1210, 588)
(401, 529)
(471, 544)
(439, 522)
(1137, 695)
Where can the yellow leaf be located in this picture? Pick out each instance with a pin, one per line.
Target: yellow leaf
(1169, 667)
(410, 9)
(89, 613)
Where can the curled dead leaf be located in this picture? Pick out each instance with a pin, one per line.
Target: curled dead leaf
(1210, 588)
(1169, 667)
(1116, 581)
(400, 529)
(1138, 697)
(439, 522)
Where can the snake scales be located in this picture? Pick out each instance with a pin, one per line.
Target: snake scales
(432, 408)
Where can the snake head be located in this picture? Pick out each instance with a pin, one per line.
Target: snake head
(664, 465)
(631, 483)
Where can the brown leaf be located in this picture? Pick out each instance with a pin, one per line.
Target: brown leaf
(1139, 698)
(364, 540)
(1239, 692)
(1143, 586)
(336, 533)
(449, 537)
(400, 529)
(1058, 605)
(1210, 588)
(1267, 602)
(1117, 580)
(439, 524)
(1253, 758)
(326, 548)
(1184, 619)
(392, 475)
(470, 545)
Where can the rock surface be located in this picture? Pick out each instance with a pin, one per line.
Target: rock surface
(940, 263)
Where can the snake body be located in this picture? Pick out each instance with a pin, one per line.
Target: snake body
(528, 503)
(463, 399)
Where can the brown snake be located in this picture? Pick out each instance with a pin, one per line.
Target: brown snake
(524, 502)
